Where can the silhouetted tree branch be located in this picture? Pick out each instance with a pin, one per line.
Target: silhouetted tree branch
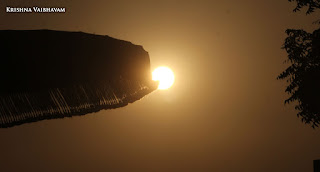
(311, 4)
(303, 74)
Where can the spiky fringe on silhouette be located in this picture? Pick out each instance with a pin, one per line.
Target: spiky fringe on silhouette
(55, 74)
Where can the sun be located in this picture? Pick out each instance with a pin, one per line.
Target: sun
(165, 77)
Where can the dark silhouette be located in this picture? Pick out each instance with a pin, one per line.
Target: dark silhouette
(49, 74)
(311, 4)
(303, 74)
(316, 165)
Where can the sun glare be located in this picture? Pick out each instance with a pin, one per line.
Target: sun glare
(165, 77)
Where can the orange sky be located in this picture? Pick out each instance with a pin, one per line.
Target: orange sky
(224, 113)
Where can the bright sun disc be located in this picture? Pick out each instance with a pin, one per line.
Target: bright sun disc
(165, 77)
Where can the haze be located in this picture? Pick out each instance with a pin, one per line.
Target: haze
(225, 111)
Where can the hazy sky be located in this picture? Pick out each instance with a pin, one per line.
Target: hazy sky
(224, 113)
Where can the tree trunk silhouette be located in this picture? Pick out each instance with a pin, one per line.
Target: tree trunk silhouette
(54, 74)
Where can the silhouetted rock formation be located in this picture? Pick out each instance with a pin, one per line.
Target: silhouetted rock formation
(54, 74)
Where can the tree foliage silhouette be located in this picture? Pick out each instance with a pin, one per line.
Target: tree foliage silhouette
(303, 74)
(311, 4)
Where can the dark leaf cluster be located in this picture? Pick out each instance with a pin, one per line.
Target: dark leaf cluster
(311, 4)
(303, 74)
